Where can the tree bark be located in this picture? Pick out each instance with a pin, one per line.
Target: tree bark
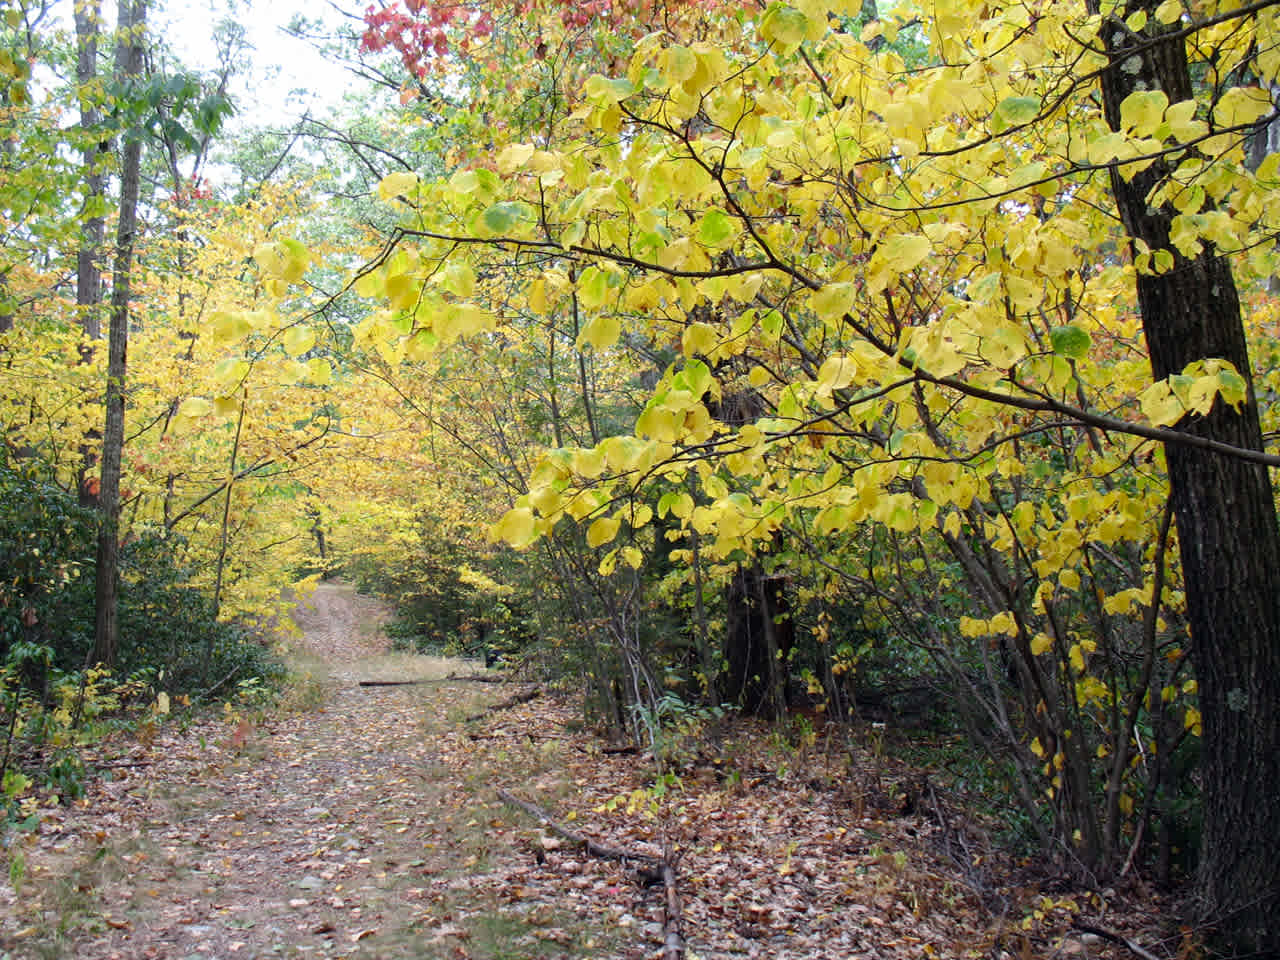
(1227, 531)
(132, 23)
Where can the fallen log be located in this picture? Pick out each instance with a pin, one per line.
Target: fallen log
(653, 867)
(626, 751)
(672, 918)
(480, 677)
(507, 704)
(394, 683)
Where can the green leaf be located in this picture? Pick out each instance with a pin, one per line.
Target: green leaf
(503, 218)
(1013, 112)
(1070, 341)
(716, 228)
(605, 91)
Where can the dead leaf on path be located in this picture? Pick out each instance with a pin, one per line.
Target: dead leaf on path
(357, 937)
(451, 930)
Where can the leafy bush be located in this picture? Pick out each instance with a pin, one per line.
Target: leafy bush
(170, 638)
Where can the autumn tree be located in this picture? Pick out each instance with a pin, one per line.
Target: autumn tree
(903, 237)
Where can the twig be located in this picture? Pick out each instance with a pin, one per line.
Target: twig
(392, 683)
(119, 764)
(1115, 938)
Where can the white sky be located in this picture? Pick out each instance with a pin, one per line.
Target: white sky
(287, 78)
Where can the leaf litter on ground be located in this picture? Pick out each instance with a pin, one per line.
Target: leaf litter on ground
(368, 824)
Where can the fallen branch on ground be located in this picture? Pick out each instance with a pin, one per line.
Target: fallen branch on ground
(1107, 935)
(480, 677)
(394, 683)
(598, 850)
(507, 704)
(655, 867)
(672, 918)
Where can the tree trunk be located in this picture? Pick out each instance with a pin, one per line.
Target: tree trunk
(132, 23)
(1227, 532)
(93, 229)
(755, 677)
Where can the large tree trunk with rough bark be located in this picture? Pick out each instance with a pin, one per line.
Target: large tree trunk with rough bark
(1227, 531)
(132, 23)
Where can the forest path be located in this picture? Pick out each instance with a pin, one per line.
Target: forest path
(348, 827)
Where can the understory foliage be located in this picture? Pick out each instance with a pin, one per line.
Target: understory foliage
(173, 646)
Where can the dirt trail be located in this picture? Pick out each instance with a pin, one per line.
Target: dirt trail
(363, 822)
(332, 832)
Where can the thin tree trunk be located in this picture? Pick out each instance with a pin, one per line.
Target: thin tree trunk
(93, 230)
(132, 23)
(224, 537)
(1227, 530)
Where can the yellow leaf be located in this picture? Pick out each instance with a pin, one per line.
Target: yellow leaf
(905, 251)
(602, 531)
(398, 184)
(319, 372)
(1192, 720)
(1037, 748)
(459, 279)
(194, 407)
(1241, 106)
(229, 327)
(514, 157)
(516, 527)
(1142, 111)
(230, 373)
(784, 27)
(699, 338)
(601, 332)
(837, 373)
(1076, 655)
(299, 340)
(1160, 405)
(833, 301)
(1182, 121)
(226, 406)
(1041, 643)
